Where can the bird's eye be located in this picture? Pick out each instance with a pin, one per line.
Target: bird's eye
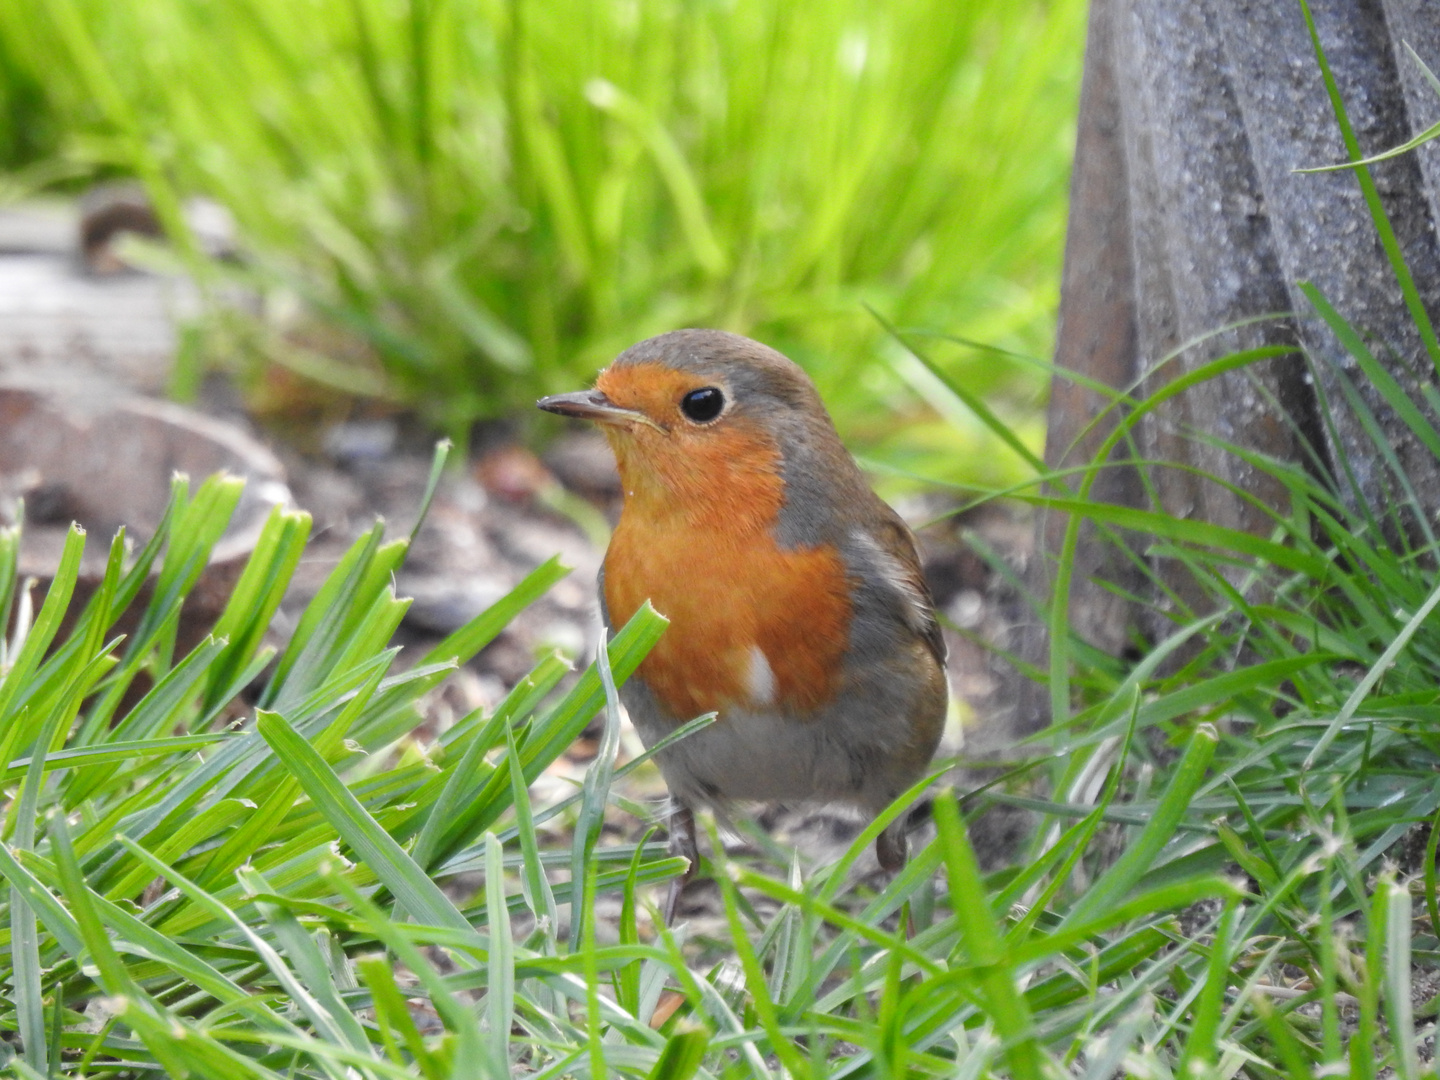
(703, 405)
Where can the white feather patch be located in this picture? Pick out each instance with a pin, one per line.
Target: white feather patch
(760, 679)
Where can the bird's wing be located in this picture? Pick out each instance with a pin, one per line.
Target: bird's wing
(899, 562)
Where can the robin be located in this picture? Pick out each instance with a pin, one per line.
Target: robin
(798, 613)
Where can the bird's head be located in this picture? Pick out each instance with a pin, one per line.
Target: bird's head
(703, 419)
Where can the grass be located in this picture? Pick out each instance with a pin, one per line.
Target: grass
(1224, 880)
(192, 897)
(189, 896)
(463, 207)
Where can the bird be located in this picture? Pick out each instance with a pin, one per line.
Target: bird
(797, 609)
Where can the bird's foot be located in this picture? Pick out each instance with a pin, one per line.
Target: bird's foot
(892, 847)
(684, 845)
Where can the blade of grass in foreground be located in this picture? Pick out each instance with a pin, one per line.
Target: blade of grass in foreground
(595, 789)
(764, 1006)
(16, 680)
(1398, 977)
(374, 847)
(500, 999)
(984, 946)
(469, 1053)
(1199, 1055)
(327, 1024)
(549, 736)
(1113, 886)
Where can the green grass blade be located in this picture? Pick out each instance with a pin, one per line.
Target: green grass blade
(25, 981)
(9, 577)
(1378, 217)
(469, 1052)
(1200, 1055)
(595, 790)
(371, 844)
(392, 1014)
(1390, 389)
(972, 401)
(327, 1024)
(1400, 1013)
(47, 624)
(539, 897)
(984, 945)
(1373, 676)
(437, 469)
(481, 630)
(683, 1055)
(257, 595)
(321, 625)
(1113, 886)
(500, 1000)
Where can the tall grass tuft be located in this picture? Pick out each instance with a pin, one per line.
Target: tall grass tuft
(193, 893)
(484, 203)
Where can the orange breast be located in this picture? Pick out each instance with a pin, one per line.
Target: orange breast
(709, 563)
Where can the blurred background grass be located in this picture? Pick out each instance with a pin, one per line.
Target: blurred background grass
(462, 205)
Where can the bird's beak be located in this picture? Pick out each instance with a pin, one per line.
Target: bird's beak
(593, 405)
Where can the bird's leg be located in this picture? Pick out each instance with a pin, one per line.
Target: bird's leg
(892, 847)
(682, 843)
